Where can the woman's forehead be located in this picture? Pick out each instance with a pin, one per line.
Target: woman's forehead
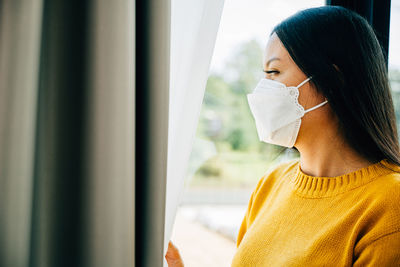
(275, 51)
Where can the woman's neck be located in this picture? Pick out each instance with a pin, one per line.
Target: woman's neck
(325, 157)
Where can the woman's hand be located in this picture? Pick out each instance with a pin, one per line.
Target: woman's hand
(173, 257)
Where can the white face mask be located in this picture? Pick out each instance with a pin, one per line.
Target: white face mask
(277, 112)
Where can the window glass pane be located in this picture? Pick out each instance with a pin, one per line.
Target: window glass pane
(228, 159)
(394, 57)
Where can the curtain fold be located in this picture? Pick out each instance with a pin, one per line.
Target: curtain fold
(20, 31)
(109, 133)
(66, 133)
(152, 83)
(194, 26)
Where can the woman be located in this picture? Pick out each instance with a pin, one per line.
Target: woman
(326, 93)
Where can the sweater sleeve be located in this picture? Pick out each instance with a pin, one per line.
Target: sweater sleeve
(267, 175)
(384, 251)
(245, 222)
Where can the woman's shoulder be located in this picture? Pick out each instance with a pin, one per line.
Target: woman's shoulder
(386, 186)
(275, 171)
(381, 201)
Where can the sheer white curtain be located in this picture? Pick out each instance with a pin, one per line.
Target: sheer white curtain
(194, 27)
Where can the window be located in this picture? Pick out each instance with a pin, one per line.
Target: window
(227, 158)
(394, 57)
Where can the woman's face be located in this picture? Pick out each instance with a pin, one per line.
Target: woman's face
(279, 66)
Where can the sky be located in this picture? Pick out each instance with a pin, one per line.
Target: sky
(242, 21)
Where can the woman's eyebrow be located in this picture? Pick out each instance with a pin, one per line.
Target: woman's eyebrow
(272, 59)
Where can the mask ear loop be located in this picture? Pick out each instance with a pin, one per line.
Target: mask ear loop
(317, 106)
(303, 82)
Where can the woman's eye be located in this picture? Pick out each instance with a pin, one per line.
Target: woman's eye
(271, 71)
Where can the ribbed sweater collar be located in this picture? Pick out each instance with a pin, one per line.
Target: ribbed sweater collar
(321, 187)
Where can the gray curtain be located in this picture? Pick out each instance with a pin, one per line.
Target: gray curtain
(151, 124)
(67, 116)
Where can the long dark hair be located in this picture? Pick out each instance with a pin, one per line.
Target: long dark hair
(339, 49)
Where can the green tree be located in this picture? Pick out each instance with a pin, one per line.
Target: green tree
(225, 116)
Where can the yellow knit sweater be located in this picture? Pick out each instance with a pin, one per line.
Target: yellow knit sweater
(294, 219)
